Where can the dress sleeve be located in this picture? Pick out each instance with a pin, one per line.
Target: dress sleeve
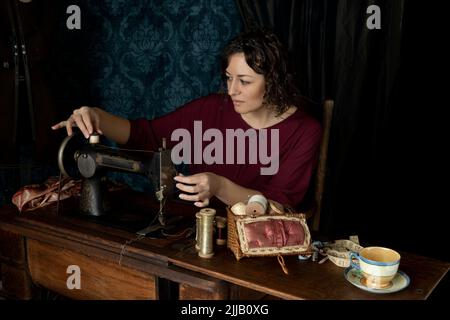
(296, 167)
(148, 134)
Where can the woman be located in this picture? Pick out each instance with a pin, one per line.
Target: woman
(261, 99)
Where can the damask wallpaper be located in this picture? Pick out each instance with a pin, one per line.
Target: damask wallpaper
(148, 57)
(140, 58)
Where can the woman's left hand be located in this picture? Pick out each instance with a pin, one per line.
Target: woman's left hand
(201, 187)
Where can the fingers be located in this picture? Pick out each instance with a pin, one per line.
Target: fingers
(188, 188)
(196, 186)
(59, 125)
(194, 197)
(83, 122)
(190, 197)
(68, 125)
(202, 204)
(62, 124)
(194, 179)
(81, 118)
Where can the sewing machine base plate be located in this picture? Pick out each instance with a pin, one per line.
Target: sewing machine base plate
(167, 227)
(143, 225)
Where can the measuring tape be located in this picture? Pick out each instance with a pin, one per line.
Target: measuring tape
(338, 251)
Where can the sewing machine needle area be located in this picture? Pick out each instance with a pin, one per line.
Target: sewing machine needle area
(90, 161)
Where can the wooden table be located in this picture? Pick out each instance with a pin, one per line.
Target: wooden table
(37, 248)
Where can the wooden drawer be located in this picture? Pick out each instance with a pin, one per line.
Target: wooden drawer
(12, 248)
(242, 293)
(99, 279)
(222, 291)
(190, 292)
(16, 283)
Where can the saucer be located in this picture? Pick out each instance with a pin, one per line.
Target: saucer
(400, 281)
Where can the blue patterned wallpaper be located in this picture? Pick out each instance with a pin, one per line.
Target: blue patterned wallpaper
(148, 57)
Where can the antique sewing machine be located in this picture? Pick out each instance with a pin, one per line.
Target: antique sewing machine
(89, 160)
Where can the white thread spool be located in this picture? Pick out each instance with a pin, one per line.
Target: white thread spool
(257, 205)
(206, 232)
(238, 209)
(94, 138)
(275, 207)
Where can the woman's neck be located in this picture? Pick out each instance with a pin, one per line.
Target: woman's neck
(266, 117)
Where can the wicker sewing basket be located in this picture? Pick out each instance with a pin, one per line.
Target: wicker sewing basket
(233, 241)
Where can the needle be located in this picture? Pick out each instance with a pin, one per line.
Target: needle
(323, 260)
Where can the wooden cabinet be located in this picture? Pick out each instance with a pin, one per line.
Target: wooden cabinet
(43, 253)
(50, 267)
(38, 249)
(15, 280)
(16, 283)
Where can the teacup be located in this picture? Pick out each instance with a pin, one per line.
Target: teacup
(378, 266)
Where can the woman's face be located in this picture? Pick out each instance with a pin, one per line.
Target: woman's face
(245, 86)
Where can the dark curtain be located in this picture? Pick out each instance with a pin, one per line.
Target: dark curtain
(384, 157)
(366, 65)
(26, 98)
(304, 28)
(27, 94)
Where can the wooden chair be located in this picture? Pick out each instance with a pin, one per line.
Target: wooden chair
(313, 213)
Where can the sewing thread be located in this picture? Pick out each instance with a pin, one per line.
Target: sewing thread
(197, 230)
(257, 205)
(206, 232)
(221, 223)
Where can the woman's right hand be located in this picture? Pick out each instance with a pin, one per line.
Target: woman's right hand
(87, 119)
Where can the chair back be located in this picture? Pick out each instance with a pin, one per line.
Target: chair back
(319, 179)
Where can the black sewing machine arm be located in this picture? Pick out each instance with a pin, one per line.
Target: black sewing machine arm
(157, 166)
(93, 159)
(90, 160)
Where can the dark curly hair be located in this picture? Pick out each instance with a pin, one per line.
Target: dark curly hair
(265, 54)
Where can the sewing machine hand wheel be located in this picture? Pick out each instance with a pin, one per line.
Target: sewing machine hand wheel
(67, 162)
(93, 198)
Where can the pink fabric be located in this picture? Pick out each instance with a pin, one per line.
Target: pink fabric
(35, 196)
(299, 140)
(274, 233)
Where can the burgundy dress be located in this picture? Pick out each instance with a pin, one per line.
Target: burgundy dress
(299, 140)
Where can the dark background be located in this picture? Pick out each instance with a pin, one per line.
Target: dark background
(385, 174)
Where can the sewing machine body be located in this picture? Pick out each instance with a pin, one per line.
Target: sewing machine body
(92, 160)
